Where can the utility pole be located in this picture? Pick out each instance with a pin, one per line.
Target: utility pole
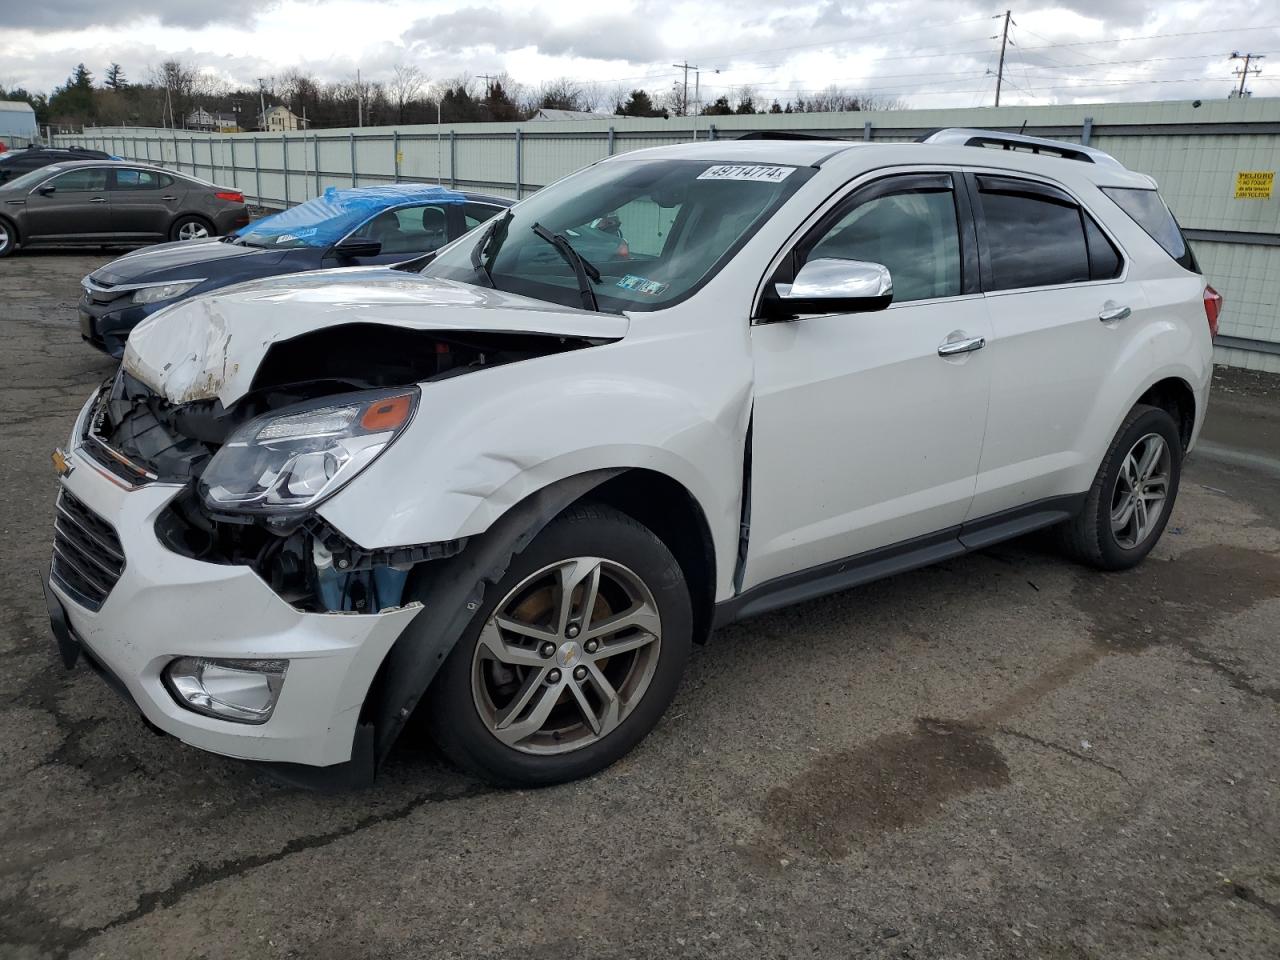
(262, 102)
(488, 83)
(1244, 72)
(684, 97)
(1004, 39)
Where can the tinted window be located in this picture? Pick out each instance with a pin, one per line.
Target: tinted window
(1149, 211)
(477, 213)
(912, 232)
(128, 179)
(409, 229)
(91, 180)
(1104, 259)
(1034, 239)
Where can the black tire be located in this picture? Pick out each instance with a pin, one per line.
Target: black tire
(8, 238)
(1089, 536)
(175, 231)
(582, 531)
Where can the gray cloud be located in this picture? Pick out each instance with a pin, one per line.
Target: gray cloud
(79, 14)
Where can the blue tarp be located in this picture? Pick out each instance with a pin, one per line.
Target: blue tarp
(331, 216)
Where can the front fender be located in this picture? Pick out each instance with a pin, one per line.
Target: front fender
(484, 442)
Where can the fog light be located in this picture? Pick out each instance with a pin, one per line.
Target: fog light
(241, 690)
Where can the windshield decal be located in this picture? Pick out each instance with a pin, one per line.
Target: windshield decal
(650, 288)
(758, 173)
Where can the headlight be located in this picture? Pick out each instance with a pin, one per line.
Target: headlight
(242, 690)
(166, 291)
(288, 461)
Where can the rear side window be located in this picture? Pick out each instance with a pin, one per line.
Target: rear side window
(130, 179)
(1038, 236)
(1149, 211)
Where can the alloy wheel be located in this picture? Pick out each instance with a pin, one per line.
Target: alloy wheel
(192, 230)
(1141, 491)
(5, 238)
(566, 656)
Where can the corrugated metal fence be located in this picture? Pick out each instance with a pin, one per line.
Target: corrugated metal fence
(1196, 151)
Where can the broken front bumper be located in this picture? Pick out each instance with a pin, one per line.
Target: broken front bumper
(164, 606)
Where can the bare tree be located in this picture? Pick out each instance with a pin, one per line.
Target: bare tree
(407, 83)
(836, 99)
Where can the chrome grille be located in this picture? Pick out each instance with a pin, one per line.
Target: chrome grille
(87, 556)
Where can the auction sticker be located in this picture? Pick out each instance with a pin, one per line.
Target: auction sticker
(650, 288)
(746, 171)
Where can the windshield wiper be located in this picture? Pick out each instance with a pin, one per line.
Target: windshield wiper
(583, 269)
(488, 245)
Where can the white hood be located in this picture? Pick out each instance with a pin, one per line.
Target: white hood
(211, 346)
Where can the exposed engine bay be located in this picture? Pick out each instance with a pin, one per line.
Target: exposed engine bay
(141, 437)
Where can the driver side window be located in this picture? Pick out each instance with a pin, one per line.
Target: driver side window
(909, 227)
(92, 179)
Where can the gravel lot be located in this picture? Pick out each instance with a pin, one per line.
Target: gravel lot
(1006, 755)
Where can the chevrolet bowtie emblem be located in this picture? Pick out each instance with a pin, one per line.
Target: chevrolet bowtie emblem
(62, 463)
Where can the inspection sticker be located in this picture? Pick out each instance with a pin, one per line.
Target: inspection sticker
(1254, 184)
(650, 288)
(744, 171)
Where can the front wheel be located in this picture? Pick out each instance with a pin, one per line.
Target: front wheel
(572, 658)
(1132, 495)
(190, 228)
(8, 238)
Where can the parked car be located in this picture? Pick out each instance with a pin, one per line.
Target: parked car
(14, 163)
(514, 488)
(108, 202)
(341, 228)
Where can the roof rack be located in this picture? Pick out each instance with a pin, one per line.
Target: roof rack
(784, 135)
(962, 136)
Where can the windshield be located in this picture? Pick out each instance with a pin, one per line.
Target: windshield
(326, 219)
(29, 180)
(655, 229)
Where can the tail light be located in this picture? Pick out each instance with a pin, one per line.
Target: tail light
(1212, 308)
(234, 196)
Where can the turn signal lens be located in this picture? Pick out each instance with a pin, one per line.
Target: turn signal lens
(244, 691)
(387, 414)
(1212, 308)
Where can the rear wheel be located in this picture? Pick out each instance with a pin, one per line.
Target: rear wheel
(190, 228)
(1132, 495)
(8, 238)
(573, 660)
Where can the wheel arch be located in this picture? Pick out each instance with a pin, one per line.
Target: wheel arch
(12, 224)
(193, 215)
(1175, 396)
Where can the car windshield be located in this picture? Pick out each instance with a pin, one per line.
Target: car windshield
(655, 229)
(35, 177)
(326, 219)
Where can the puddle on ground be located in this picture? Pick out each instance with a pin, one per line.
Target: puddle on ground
(895, 781)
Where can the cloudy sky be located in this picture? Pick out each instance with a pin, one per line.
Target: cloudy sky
(927, 52)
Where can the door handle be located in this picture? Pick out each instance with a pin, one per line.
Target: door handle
(168, 198)
(98, 200)
(1112, 313)
(949, 348)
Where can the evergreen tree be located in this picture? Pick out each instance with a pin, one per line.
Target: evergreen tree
(116, 79)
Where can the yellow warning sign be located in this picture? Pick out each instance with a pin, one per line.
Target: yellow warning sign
(1254, 184)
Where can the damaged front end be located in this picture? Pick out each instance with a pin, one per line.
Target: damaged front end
(321, 408)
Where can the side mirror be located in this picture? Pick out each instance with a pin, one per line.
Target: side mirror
(831, 285)
(45, 191)
(358, 248)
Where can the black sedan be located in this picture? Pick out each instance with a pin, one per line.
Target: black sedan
(112, 202)
(14, 163)
(342, 228)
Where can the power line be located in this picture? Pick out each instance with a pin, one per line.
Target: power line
(1243, 72)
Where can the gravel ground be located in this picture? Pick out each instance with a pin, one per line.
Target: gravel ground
(1003, 756)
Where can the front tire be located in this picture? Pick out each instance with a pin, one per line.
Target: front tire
(572, 658)
(1132, 494)
(191, 228)
(8, 238)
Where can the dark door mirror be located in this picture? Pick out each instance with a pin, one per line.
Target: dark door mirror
(831, 285)
(358, 248)
(45, 190)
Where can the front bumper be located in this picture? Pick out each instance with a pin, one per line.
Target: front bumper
(107, 325)
(165, 605)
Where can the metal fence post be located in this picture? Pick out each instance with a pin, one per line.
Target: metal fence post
(519, 164)
(1087, 133)
(257, 171)
(712, 133)
(213, 170)
(284, 164)
(315, 147)
(866, 130)
(395, 156)
(352, 135)
(235, 174)
(453, 158)
(611, 141)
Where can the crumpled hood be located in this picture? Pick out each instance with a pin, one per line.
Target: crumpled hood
(211, 346)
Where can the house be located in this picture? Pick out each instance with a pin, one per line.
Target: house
(17, 122)
(278, 119)
(551, 113)
(202, 119)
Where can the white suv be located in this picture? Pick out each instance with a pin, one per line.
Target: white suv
(678, 388)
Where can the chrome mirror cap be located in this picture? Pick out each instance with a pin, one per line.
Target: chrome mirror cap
(833, 285)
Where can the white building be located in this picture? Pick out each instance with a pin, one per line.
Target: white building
(280, 118)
